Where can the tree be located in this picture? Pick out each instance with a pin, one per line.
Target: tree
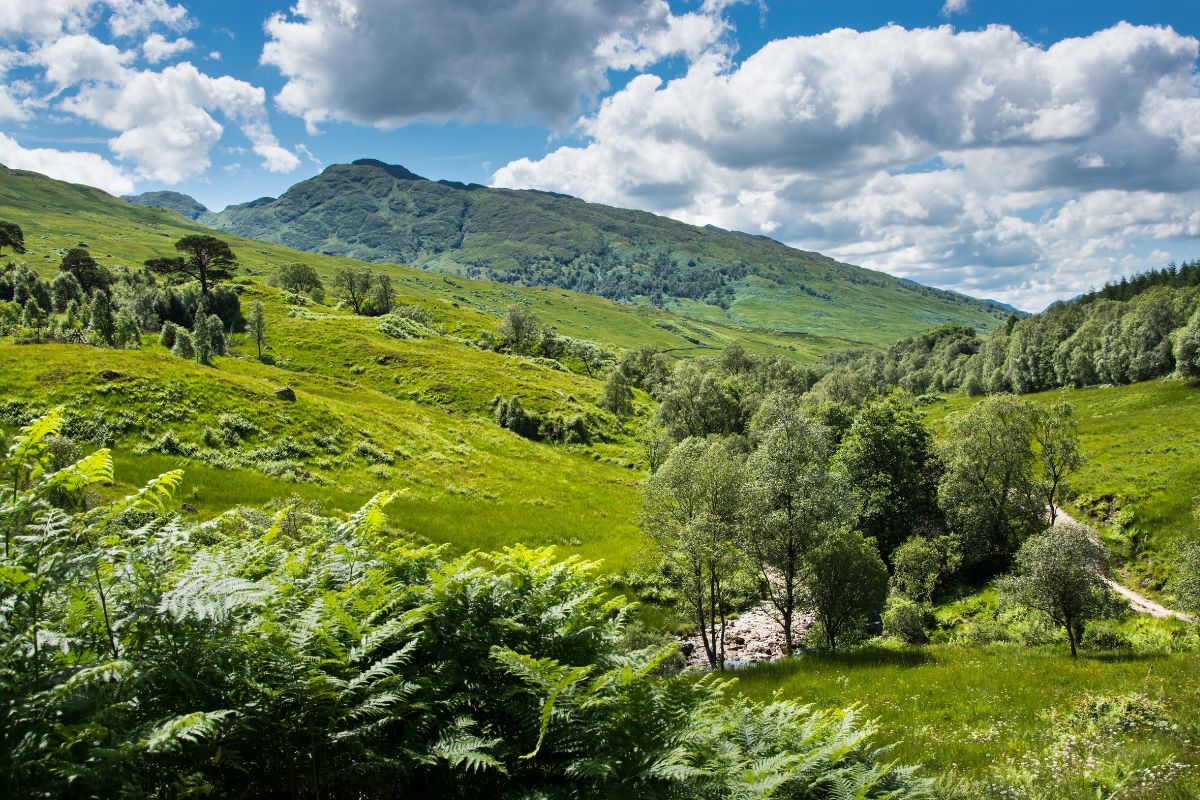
(989, 491)
(846, 581)
(297, 278)
(888, 456)
(101, 318)
(183, 347)
(657, 445)
(699, 401)
(1057, 437)
(216, 334)
(796, 501)
(1186, 585)
(64, 290)
(91, 276)
(381, 298)
(618, 396)
(201, 339)
(1187, 349)
(352, 286)
(520, 329)
(12, 237)
(206, 259)
(692, 509)
(1061, 573)
(256, 326)
(917, 566)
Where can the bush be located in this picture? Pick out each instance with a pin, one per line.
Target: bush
(908, 621)
(1105, 636)
(183, 345)
(372, 453)
(513, 416)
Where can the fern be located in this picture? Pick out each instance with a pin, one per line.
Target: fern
(173, 734)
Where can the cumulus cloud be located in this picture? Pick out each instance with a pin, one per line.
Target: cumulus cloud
(44, 19)
(390, 62)
(158, 48)
(953, 7)
(165, 119)
(964, 159)
(74, 166)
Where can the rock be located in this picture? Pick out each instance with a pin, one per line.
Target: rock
(109, 375)
(286, 393)
(187, 508)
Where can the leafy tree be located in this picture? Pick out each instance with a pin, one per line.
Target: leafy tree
(125, 330)
(700, 401)
(184, 347)
(918, 566)
(519, 330)
(796, 501)
(352, 286)
(646, 368)
(33, 316)
(691, 513)
(907, 620)
(990, 491)
(1187, 349)
(381, 298)
(206, 259)
(513, 416)
(1061, 573)
(618, 396)
(657, 445)
(166, 334)
(12, 237)
(64, 290)
(202, 340)
(101, 318)
(217, 335)
(888, 455)
(256, 326)
(298, 278)
(846, 582)
(1057, 437)
(91, 276)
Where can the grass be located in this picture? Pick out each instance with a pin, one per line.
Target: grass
(996, 713)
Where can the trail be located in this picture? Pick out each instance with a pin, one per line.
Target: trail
(1138, 602)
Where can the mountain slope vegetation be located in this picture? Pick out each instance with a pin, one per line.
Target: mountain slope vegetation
(385, 213)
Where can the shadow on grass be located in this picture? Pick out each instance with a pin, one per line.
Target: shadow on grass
(864, 657)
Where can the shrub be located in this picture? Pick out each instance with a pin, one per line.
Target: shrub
(372, 453)
(908, 621)
(513, 416)
(1105, 636)
(166, 334)
(183, 345)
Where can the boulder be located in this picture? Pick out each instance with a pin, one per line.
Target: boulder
(286, 393)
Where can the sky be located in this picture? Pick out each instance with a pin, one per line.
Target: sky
(1017, 150)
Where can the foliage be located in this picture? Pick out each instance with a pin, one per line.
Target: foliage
(1061, 573)
(256, 326)
(691, 513)
(298, 277)
(290, 655)
(918, 566)
(907, 620)
(1187, 348)
(1186, 585)
(618, 394)
(92, 277)
(846, 581)
(12, 237)
(887, 454)
(990, 491)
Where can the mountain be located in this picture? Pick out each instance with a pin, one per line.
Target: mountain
(182, 204)
(385, 213)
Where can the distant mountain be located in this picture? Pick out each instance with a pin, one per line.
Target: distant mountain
(182, 204)
(385, 213)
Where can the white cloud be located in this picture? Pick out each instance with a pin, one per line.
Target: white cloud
(166, 128)
(158, 48)
(952, 158)
(390, 62)
(79, 57)
(214, 55)
(37, 20)
(74, 166)
(953, 7)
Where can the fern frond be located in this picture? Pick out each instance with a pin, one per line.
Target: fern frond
(172, 734)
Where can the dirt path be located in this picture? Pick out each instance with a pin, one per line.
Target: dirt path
(1138, 602)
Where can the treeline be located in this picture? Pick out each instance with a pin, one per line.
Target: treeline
(280, 653)
(1100, 341)
(622, 276)
(831, 500)
(1128, 287)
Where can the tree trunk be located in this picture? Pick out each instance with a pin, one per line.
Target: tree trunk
(1071, 636)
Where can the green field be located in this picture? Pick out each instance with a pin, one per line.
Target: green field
(973, 716)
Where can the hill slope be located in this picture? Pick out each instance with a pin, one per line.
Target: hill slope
(385, 213)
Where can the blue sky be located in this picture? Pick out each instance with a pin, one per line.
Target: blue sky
(1018, 150)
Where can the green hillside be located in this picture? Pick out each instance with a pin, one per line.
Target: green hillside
(384, 213)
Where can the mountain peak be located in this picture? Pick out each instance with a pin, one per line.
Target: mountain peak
(395, 170)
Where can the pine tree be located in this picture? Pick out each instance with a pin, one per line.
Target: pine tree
(202, 339)
(101, 319)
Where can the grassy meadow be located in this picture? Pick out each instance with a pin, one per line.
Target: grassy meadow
(980, 717)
